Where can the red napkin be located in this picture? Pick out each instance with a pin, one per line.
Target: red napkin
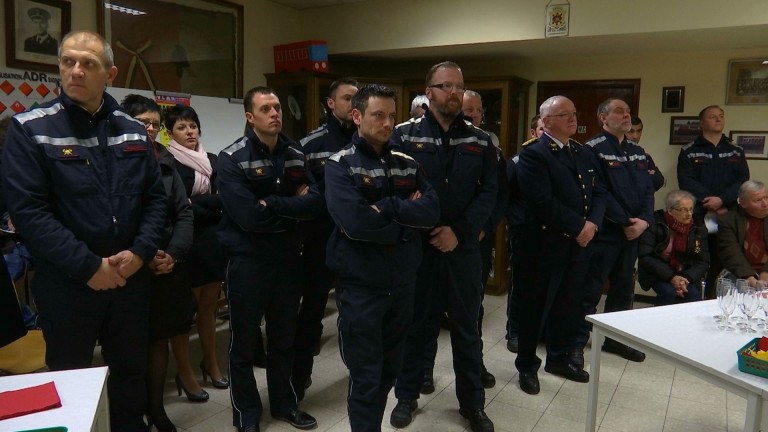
(28, 400)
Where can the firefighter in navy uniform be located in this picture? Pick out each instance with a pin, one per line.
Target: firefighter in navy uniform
(629, 213)
(85, 191)
(379, 201)
(565, 204)
(460, 163)
(265, 189)
(317, 147)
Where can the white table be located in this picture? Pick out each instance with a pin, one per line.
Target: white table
(83, 394)
(686, 336)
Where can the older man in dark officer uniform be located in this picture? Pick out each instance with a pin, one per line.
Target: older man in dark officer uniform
(460, 163)
(266, 189)
(41, 42)
(712, 169)
(559, 180)
(379, 200)
(628, 214)
(84, 189)
(320, 144)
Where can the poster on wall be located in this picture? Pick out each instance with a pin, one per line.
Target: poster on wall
(21, 90)
(557, 16)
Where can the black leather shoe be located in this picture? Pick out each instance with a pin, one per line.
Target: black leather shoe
(622, 350)
(529, 383)
(402, 415)
(251, 428)
(478, 420)
(568, 370)
(577, 356)
(428, 385)
(299, 419)
(513, 344)
(487, 378)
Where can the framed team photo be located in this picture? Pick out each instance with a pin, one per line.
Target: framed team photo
(753, 143)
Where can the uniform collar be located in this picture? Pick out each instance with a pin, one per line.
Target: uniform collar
(367, 149)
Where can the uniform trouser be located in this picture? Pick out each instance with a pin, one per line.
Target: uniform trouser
(269, 288)
(513, 295)
(715, 267)
(486, 257)
(314, 298)
(73, 317)
(446, 282)
(561, 314)
(615, 263)
(372, 332)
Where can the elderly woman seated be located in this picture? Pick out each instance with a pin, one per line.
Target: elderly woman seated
(673, 254)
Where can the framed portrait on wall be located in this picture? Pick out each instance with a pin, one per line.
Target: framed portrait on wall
(747, 82)
(188, 46)
(683, 129)
(33, 30)
(672, 99)
(754, 143)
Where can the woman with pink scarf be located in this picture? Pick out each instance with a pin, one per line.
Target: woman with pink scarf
(205, 260)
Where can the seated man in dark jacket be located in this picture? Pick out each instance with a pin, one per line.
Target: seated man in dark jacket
(743, 234)
(673, 252)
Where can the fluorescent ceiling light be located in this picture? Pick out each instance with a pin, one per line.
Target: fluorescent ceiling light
(123, 9)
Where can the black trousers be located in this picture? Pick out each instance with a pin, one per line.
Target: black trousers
(447, 282)
(372, 332)
(269, 288)
(314, 298)
(73, 316)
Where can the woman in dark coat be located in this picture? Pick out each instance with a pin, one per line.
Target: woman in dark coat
(171, 305)
(673, 255)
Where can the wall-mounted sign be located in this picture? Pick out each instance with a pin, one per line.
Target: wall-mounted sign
(557, 19)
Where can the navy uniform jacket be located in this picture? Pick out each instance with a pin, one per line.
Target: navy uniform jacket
(460, 165)
(706, 170)
(380, 251)
(82, 187)
(561, 193)
(249, 173)
(502, 196)
(657, 178)
(625, 171)
(516, 212)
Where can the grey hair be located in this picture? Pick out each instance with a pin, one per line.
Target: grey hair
(417, 102)
(750, 186)
(674, 197)
(473, 94)
(109, 55)
(547, 104)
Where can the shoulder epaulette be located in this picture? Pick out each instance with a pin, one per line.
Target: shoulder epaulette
(532, 140)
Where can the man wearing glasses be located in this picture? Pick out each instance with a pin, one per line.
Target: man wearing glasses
(628, 214)
(460, 163)
(565, 203)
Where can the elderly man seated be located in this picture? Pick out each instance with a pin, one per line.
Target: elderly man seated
(743, 234)
(673, 254)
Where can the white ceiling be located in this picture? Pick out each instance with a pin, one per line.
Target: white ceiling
(308, 4)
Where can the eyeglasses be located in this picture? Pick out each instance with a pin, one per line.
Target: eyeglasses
(448, 87)
(148, 123)
(566, 115)
(683, 209)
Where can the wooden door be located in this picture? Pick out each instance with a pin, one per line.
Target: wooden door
(587, 96)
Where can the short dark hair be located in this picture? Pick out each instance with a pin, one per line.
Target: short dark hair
(636, 120)
(367, 91)
(340, 82)
(603, 107)
(134, 105)
(433, 69)
(702, 112)
(535, 122)
(181, 112)
(248, 98)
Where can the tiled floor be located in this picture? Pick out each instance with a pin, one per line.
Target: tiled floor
(634, 397)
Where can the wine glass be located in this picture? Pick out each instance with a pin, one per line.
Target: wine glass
(718, 290)
(740, 288)
(749, 303)
(726, 297)
(762, 286)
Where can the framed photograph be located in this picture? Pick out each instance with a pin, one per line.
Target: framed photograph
(753, 143)
(188, 46)
(683, 129)
(672, 99)
(33, 29)
(747, 82)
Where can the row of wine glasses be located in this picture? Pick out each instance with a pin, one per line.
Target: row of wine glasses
(749, 300)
